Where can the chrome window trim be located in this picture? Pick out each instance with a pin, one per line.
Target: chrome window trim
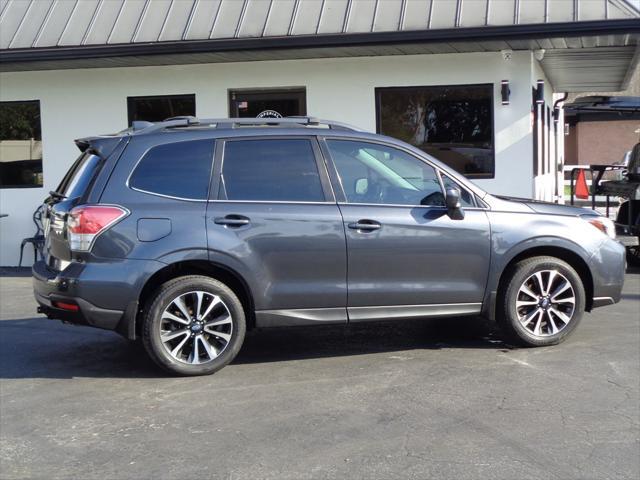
(289, 202)
(394, 205)
(164, 195)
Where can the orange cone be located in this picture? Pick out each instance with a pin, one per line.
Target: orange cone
(582, 190)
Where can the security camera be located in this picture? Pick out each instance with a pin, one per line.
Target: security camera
(506, 54)
(539, 54)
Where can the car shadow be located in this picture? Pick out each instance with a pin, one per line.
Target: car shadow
(40, 348)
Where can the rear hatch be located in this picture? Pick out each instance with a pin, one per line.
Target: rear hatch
(73, 191)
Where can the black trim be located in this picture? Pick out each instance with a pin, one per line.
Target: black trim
(494, 33)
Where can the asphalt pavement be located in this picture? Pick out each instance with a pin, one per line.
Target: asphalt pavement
(416, 399)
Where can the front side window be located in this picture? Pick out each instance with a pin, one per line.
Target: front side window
(180, 169)
(160, 107)
(452, 123)
(20, 145)
(379, 174)
(280, 170)
(466, 197)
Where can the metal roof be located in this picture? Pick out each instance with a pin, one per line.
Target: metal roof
(590, 44)
(49, 23)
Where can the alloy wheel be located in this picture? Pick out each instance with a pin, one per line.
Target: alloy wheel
(545, 303)
(196, 327)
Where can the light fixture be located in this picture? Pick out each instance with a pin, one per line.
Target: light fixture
(505, 91)
(540, 91)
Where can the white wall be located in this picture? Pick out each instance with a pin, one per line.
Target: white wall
(77, 103)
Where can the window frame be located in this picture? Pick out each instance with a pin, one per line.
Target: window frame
(133, 98)
(336, 182)
(483, 176)
(157, 194)
(216, 191)
(21, 186)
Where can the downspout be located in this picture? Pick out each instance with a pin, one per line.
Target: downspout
(556, 118)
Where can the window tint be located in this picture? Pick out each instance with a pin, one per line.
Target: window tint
(372, 173)
(82, 172)
(179, 169)
(271, 170)
(160, 107)
(452, 123)
(20, 144)
(466, 197)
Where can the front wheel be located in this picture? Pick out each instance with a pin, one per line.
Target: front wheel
(193, 325)
(541, 303)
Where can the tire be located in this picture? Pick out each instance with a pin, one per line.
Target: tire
(183, 343)
(531, 321)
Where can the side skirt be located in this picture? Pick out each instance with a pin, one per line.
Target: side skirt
(318, 316)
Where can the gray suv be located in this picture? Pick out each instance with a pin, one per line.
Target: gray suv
(187, 233)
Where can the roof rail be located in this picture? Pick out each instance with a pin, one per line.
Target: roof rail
(187, 121)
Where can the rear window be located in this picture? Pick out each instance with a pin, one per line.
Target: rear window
(80, 175)
(180, 170)
(280, 170)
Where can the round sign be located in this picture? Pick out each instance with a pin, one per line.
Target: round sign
(269, 114)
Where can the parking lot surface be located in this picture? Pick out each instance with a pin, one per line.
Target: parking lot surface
(417, 399)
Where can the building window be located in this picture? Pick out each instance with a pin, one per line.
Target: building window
(452, 123)
(160, 107)
(20, 145)
(267, 103)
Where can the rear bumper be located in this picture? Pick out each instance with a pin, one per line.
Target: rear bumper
(50, 287)
(106, 294)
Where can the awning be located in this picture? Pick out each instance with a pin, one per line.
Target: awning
(590, 45)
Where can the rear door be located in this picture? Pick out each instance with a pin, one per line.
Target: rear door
(272, 216)
(406, 256)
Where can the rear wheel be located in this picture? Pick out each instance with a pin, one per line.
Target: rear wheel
(193, 325)
(541, 303)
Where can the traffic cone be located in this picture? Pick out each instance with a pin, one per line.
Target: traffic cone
(582, 190)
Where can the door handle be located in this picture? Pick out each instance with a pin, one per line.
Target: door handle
(232, 220)
(365, 225)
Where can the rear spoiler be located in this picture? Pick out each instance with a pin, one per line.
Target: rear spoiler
(101, 145)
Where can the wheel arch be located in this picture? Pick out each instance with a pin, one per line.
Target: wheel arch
(562, 252)
(571, 257)
(224, 274)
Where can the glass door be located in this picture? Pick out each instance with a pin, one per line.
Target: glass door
(267, 103)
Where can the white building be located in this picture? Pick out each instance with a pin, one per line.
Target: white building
(428, 71)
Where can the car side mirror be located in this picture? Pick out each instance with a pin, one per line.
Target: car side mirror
(452, 202)
(362, 186)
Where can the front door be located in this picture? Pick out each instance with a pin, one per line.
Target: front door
(267, 103)
(406, 256)
(275, 220)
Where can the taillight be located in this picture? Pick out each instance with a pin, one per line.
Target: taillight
(86, 222)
